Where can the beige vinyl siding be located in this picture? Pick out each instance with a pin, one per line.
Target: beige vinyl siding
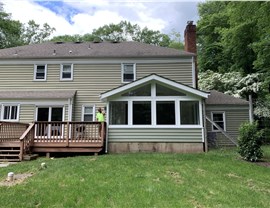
(180, 72)
(27, 113)
(234, 116)
(90, 80)
(155, 135)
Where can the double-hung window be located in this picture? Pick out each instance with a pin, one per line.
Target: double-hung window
(219, 119)
(128, 72)
(66, 72)
(10, 113)
(88, 113)
(40, 72)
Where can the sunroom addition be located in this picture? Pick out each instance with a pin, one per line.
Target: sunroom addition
(154, 101)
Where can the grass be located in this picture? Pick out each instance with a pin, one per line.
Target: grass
(215, 179)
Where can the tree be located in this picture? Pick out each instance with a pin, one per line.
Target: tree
(10, 30)
(32, 33)
(175, 41)
(13, 33)
(123, 31)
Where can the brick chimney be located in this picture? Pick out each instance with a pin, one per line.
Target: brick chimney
(190, 37)
(190, 46)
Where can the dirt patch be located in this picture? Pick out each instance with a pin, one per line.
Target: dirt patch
(18, 178)
(265, 164)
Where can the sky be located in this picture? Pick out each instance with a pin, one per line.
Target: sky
(82, 16)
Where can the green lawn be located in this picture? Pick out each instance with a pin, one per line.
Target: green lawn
(218, 178)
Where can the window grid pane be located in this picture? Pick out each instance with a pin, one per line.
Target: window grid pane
(142, 113)
(40, 72)
(10, 112)
(88, 113)
(165, 113)
(66, 71)
(219, 120)
(119, 112)
(189, 111)
(128, 72)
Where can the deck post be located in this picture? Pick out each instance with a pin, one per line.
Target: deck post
(67, 137)
(21, 150)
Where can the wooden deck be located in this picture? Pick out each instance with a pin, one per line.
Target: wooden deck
(18, 139)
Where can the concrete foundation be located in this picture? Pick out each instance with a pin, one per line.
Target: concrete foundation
(126, 147)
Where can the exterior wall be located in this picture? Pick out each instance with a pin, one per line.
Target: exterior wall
(27, 113)
(174, 71)
(234, 116)
(90, 80)
(155, 135)
(163, 147)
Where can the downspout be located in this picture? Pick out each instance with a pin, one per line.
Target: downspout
(107, 128)
(204, 127)
(251, 119)
(70, 109)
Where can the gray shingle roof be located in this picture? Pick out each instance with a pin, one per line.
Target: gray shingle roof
(55, 94)
(219, 98)
(90, 50)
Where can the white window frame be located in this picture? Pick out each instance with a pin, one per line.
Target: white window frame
(83, 111)
(153, 99)
(49, 119)
(10, 105)
(224, 120)
(61, 72)
(45, 72)
(122, 72)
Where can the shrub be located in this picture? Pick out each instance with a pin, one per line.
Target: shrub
(250, 141)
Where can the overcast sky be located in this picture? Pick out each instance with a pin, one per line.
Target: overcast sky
(82, 16)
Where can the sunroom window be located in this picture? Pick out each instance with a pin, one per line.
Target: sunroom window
(142, 113)
(165, 91)
(165, 113)
(189, 112)
(141, 91)
(118, 113)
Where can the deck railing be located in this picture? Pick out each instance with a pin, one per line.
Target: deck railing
(27, 140)
(70, 132)
(11, 131)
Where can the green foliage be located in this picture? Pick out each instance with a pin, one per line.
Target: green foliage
(13, 33)
(228, 41)
(32, 33)
(250, 141)
(123, 31)
(10, 30)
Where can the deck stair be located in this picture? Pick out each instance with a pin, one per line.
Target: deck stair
(10, 152)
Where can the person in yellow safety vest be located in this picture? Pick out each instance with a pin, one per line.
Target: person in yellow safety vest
(100, 117)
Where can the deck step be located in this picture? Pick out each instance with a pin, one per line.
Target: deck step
(9, 155)
(8, 150)
(9, 160)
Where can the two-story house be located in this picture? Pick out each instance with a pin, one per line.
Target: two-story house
(148, 92)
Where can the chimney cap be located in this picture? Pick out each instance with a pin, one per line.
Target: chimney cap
(190, 22)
